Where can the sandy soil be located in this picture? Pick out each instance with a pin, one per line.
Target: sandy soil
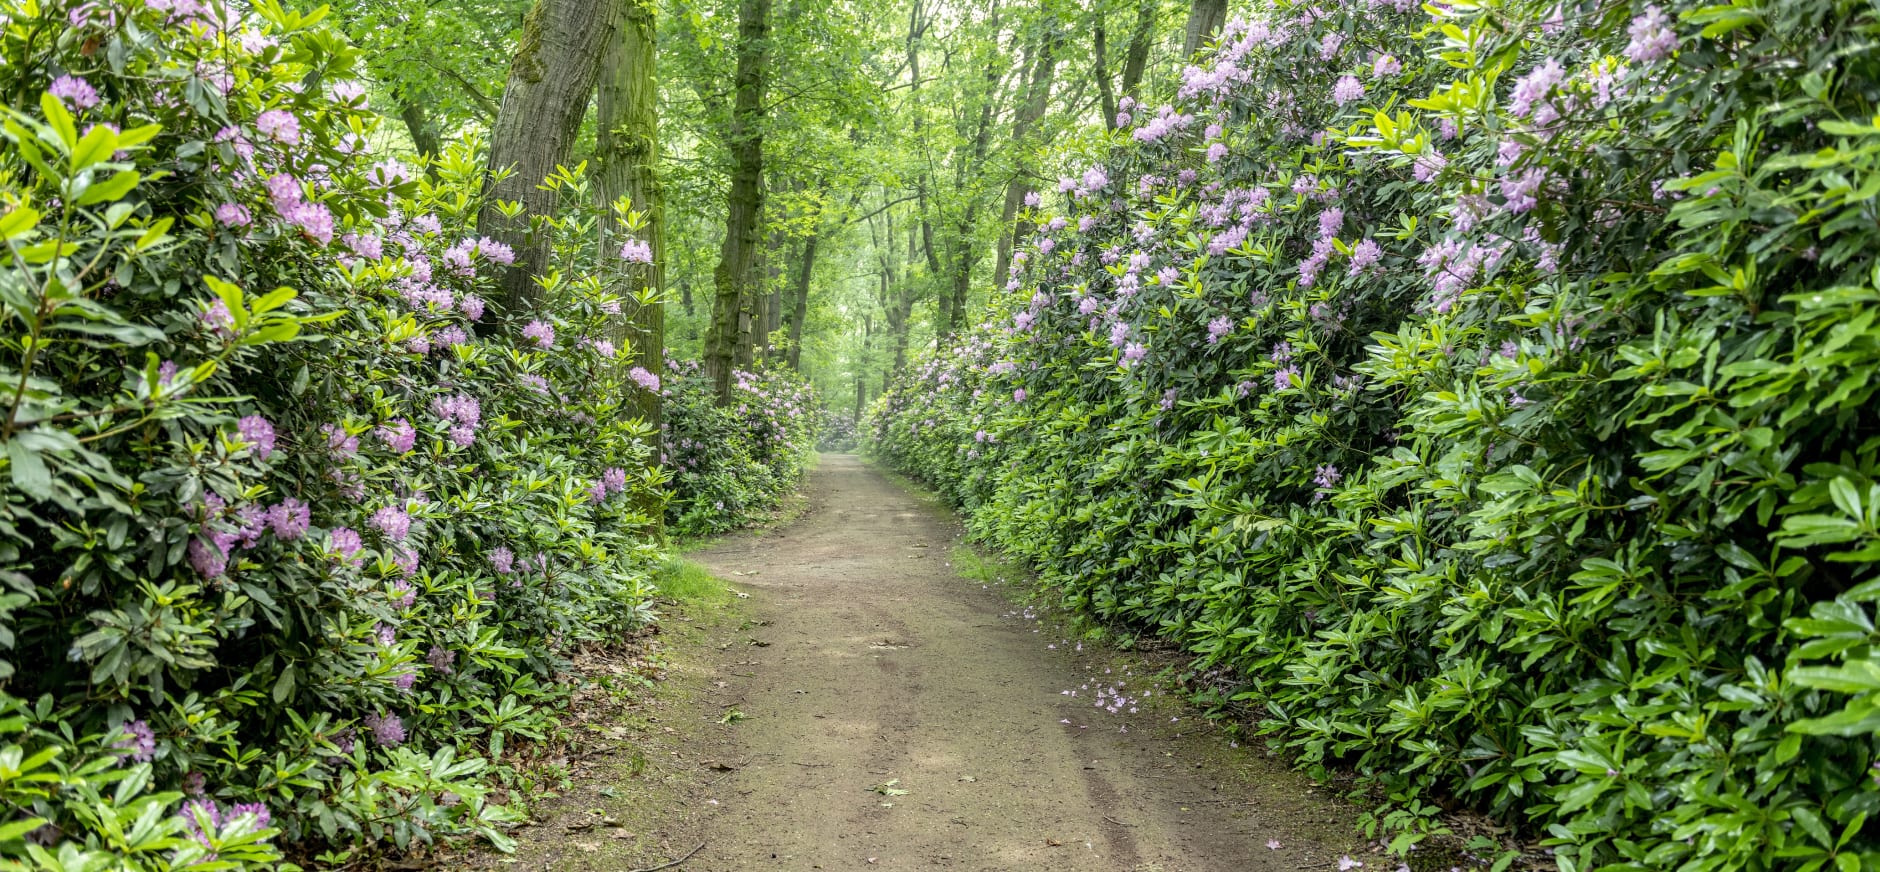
(868, 708)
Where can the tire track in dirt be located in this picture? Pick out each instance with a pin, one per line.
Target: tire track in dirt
(872, 668)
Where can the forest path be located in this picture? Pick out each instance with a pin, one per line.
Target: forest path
(883, 664)
(875, 710)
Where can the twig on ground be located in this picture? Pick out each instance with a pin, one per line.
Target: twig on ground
(671, 863)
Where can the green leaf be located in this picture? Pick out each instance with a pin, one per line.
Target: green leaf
(30, 474)
(18, 222)
(59, 120)
(110, 189)
(284, 685)
(16, 829)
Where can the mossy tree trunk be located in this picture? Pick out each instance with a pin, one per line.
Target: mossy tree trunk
(551, 81)
(1205, 19)
(627, 150)
(745, 204)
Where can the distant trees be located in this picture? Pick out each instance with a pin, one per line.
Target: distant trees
(780, 132)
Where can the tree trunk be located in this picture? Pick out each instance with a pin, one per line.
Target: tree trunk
(861, 369)
(1136, 58)
(903, 315)
(423, 133)
(799, 296)
(965, 254)
(773, 291)
(1205, 19)
(745, 203)
(1106, 89)
(550, 82)
(627, 150)
(1037, 97)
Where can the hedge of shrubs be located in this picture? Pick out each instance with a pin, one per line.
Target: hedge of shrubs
(839, 435)
(294, 529)
(1488, 390)
(732, 464)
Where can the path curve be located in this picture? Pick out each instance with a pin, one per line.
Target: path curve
(871, 661)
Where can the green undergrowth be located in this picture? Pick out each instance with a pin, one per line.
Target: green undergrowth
(691, 585)
(1483, 395)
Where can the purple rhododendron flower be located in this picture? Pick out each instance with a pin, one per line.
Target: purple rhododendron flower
(258, 432)
(1347, 90)
(643, 378)
(1218, 328)
(233, 215)
(74, 92)
(1365, 255)
(344, 542)
(339, 441)
(289, 519)
(636, 251)
(503, 560)
(441, 659)
(1653, 40)
(543, 334)
(398, 435)
(137, 741)
(195, 812)
(209, 559)
(1534, 88)
(259, 810)
(279, 125)
(387, 730)
(494, 252)
(217, 318)
(393, 521)
(1427, 165)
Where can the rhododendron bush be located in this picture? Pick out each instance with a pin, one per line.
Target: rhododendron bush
(1486, 390)
(730, 464)
(292, 537)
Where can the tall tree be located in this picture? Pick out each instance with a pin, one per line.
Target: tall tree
(745, 203)
(551, 81)
(1037, 99)
(1136, 57)
(982, 95)
(627, 150)
(1205, 19)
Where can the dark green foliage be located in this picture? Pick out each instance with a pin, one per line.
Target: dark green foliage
(1566, 504)
(732, 464)
(307, 558)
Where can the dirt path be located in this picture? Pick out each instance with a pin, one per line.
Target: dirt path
(878, 711)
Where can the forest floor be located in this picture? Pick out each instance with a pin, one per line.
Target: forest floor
(864, 703)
